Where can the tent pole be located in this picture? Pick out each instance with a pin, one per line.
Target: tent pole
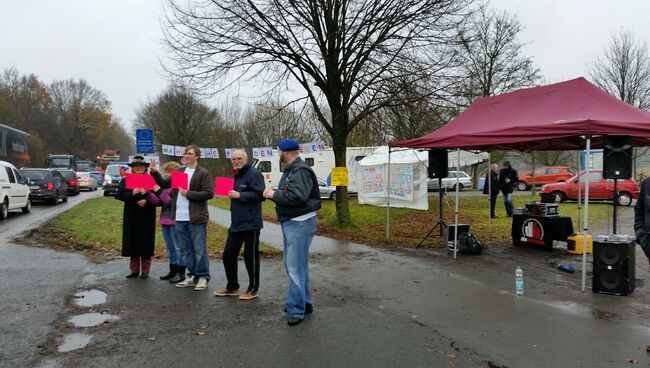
(488, 178)
(579, 194)
(585, 227)
(388, 198)
(456, 207)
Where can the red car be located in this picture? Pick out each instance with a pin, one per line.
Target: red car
(544, 175)
(599, 188)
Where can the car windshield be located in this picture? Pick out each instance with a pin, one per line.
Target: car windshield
(114, 170)
(36, 174)
(82, 175)
(67, 174)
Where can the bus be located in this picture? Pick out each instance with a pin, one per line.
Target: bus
(14, 146)
(64, 161)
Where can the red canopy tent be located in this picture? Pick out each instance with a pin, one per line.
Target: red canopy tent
(560, 116)
(552, 117)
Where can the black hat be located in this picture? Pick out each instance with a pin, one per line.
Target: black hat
(506, 163)
(138, 160)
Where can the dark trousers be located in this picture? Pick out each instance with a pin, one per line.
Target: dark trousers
(251, 239)
(493, 202)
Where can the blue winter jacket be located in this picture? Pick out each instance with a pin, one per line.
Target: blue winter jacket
(246, 211)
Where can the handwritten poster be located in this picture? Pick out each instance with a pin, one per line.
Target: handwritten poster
(340, 176)
(372, 181)
(401, 182)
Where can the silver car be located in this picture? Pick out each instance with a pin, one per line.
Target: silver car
(449, 183)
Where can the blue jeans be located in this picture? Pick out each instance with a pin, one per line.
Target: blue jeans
(297, 237)
(507, 201)
(192, 241)
(173, 251)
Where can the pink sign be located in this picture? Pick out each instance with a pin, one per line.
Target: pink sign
(144, 181)
(179, 180)
(223, 185)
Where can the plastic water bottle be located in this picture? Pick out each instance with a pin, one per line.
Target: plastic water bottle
(519, 281)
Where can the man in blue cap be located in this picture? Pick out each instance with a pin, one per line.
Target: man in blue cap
(297, 199)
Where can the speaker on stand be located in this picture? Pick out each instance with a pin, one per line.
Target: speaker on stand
(614, 267)
(617, 163)
(438, 168)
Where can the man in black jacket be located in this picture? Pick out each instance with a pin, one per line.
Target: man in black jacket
(508, 177)
(245, 224)
(642, 217)
(296, 202)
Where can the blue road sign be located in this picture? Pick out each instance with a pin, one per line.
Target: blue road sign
(144, 140)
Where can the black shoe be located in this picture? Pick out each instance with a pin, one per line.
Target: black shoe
(309, 308)
(177, 278)
(132, 275)
(172, 272)
(144, 275)
(292, 321)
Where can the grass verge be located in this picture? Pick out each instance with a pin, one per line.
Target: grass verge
(408, 226)
(94, 228)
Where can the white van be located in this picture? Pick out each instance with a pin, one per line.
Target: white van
(321, 162)
(14, 190)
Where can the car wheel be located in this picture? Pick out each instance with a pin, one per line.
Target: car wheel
(624, 199)
(521, 186)
(460, 187)
(28, 206)
(4, 210)
(65, 198)
(558, 196)
(333, 196)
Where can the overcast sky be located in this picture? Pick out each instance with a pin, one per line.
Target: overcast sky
(116, 44)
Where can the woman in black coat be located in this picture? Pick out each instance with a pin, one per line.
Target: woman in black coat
(139, 222)
(493, 177)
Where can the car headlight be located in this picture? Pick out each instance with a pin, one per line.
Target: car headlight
(108, 180)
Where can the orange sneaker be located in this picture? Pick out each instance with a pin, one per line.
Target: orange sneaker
(226, 292)
(248, 295)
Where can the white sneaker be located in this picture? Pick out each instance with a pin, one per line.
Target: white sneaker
(188, 282)
(202, 284)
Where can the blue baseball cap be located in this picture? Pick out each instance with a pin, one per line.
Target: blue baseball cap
(288, 145)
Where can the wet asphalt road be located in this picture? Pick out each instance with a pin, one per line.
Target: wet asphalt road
(372, 309)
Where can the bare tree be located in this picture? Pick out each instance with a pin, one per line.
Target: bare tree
(493, 59)
(624, 72)
(343, 53)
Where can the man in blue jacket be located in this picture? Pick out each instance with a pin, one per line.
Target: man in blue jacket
(296, 202)
(245, 224)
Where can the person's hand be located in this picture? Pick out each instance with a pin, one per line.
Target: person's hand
(507, 180)
(233, 194)
(152, 168)
(156, 188)
(268, 193)
(142, 202)
(182, 192)
(137, 191)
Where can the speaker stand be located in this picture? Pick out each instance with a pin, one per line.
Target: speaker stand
(441, 223)
(615, 203)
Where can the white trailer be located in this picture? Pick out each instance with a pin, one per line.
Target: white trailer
(321, 162)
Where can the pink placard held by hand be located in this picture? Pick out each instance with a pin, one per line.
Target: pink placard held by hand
(144, 181)
(223, 185)
(179, 180)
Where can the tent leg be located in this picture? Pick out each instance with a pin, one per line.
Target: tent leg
(585, 227)
(388, 199)
(456, 207)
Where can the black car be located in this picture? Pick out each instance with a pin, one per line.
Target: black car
(47, 185)
(71, 177)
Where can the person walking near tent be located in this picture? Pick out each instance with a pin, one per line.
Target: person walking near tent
(190, 209)
(491, 187)
(245, 224)
(168, 228)
(138, 222)
(296, 202)
(507, 179)
(642, 218)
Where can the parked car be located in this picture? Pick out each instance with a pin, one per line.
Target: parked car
(14, 190)
(47, 185)
(449, 183)
(328, 191)
(544, 175)
(86, 181)
(599, 188)
(99, 177)
(112, 177)
(71, 177)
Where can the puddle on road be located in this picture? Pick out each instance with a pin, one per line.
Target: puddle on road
(91, 319)
(74, 342)
(89, 298)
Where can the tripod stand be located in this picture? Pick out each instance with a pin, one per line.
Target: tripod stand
(440, 223)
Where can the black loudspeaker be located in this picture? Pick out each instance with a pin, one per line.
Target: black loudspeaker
(438, 164)
(617, 157)
(614, 267)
